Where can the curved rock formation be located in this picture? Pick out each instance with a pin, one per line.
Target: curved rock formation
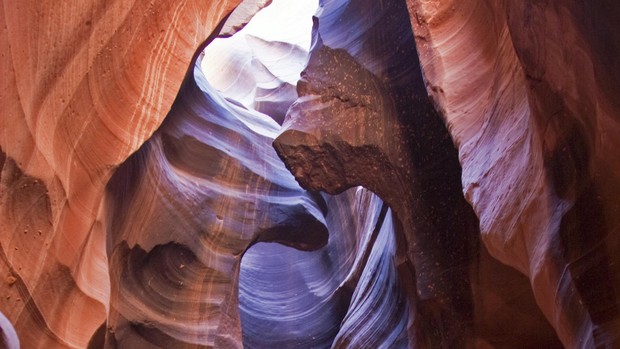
(363, 118)
(532, 108)
(142, 208)
(181, 212)
(84, 85)
(8, 339)
(345, 295)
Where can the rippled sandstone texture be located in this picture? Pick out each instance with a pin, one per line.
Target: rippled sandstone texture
(181, 211)
(100, 247)
(364, 118)
(533, 108)
(83, 85)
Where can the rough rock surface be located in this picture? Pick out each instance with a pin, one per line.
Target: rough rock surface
(139, 206)
(363, 118)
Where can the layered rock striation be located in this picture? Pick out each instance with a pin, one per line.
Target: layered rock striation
(445, 176)
(83, 86)
(531, 107)
(181, 212)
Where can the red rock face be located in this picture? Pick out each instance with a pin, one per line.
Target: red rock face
(139, 208)
(528, 93)
(83, 86)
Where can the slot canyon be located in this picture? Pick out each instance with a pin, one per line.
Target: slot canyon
(299, 174)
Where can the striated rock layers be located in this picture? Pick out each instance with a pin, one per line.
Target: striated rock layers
(364, 118)
(533, 108)
(446, 176)
(181, 211)
(83, 85)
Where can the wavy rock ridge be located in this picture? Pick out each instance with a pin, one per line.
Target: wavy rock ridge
(84, 85)
(140, 207)
(534, 145)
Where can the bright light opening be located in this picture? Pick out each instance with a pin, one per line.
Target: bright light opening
(260, 65)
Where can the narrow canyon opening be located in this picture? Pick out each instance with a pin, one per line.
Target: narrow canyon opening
(291, 298)
(259, 66)
(374, 271)
(287, 297)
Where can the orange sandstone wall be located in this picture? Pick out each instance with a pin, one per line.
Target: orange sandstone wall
(83, 85)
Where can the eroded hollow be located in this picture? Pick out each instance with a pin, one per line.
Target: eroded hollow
(348, 293)
(344, 293)
(308, 299)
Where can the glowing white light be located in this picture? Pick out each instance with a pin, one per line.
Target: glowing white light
(269, 52)
(284, 20)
